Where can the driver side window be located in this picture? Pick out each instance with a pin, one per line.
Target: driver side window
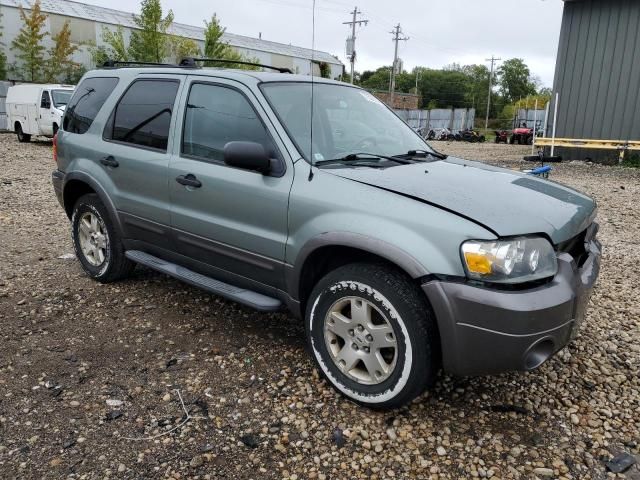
(45, 102)
(217, 115)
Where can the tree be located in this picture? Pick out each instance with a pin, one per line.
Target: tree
(182, 47)
(3, 56)
(515, 80)
(117, 48)
(28, 44)
(60, 60)
(325, 70)
(215, 47)
(151, 43)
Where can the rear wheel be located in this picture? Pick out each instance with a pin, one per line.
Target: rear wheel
(372, 335)
(96, 241)
(22, 137)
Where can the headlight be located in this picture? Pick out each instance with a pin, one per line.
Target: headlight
(514, 260)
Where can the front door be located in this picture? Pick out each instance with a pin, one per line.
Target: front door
(45, 116)
(232, 219)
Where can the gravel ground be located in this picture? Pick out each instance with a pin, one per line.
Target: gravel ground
(90, 374)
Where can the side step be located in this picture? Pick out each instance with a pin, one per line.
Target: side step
(240, 295)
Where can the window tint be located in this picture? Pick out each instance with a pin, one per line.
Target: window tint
(216, 116)
(143, 115)
(46, 101)
(86, 102)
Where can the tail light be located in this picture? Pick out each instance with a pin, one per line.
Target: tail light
(55, 148)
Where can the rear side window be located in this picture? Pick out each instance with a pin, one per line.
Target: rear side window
(217, 115)
(87, 102)
(143, 115)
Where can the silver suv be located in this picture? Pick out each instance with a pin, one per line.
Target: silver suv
(278, 190)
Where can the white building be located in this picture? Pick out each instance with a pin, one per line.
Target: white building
(87, 22)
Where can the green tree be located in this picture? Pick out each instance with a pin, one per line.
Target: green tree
(151, 42)
(3, 56)
(515, 80)
(30, 51)
(182, 47)
(376, 80)
(60, 62)
(325, 69)
(116, 44)
(215, 47)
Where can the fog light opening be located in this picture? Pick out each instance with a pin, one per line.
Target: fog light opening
(538, 354)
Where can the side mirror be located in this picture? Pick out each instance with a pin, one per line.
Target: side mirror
(248, 156)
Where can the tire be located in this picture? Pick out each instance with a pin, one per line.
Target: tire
(110, 264)
(530, 140)
(512, 140)
(55, 128)
(22, 137)
(411, 344)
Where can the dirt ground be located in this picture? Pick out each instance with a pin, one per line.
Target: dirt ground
(92, 376)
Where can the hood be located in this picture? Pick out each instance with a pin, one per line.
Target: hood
(504, 201)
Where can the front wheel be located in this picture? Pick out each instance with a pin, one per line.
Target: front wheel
(372, 335)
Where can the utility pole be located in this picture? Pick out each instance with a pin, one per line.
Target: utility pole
(398, 36)
(417, 79)
(351, 49)
(493, 61)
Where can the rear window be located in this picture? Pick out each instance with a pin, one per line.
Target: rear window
(86, 102)
(143, 115)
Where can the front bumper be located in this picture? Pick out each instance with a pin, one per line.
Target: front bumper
(484, 330)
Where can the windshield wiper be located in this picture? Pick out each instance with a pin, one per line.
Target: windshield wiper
(414, 153)
(354, 157)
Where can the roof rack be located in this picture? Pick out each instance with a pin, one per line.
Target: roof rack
(193, 63)
(122, 63)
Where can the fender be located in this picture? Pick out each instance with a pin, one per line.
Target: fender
(102, 194)
(355, 240)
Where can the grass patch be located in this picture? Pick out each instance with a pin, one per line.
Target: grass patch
(632, 161)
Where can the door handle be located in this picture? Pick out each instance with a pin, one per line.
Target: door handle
(109, 161)
(189, 180)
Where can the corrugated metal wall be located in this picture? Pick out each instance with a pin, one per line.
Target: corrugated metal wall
(598, 73)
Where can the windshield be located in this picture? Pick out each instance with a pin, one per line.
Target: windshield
(61, 97)
(346, 120)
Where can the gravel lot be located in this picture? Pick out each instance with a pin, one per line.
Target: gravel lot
(90, 373)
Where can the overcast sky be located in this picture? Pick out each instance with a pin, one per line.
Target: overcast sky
(440, 31)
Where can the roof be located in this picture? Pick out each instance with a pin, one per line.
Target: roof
(240, 75)
(117, 17)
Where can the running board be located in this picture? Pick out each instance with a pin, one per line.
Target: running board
(240, 295)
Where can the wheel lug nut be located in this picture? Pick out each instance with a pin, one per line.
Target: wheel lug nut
(360, 328)
(351, 332)
(369, 338)
(366, 349)
(355, 347)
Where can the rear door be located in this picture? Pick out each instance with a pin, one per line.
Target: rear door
(236, 220)
(135, 154)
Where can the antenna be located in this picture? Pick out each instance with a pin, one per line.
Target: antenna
(313, 56)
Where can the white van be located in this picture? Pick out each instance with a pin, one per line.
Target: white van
(34, 109)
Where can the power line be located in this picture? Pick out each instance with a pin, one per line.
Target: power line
(493, 61)
(351, 42)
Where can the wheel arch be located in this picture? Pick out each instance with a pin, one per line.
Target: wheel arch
(77, 184)
(330, 250)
